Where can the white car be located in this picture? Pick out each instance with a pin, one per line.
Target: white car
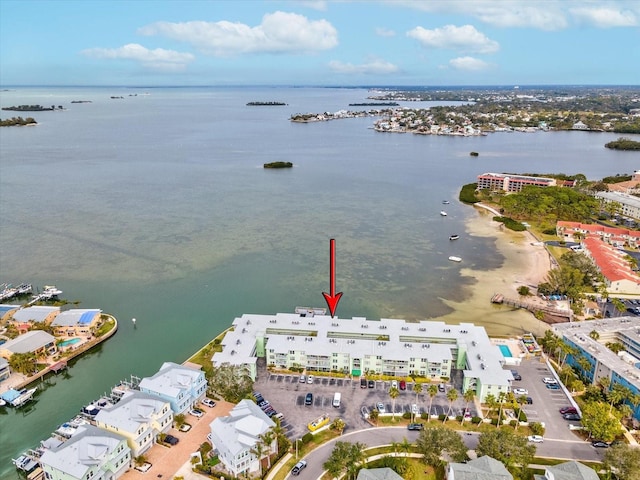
(380, 407)
(549, 381)
(208, 402)
(196, 412)
(310, 379)
(535, 438)
(520, 391)
(414, 409)
(394, 384)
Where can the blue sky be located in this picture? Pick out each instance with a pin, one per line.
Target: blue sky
(319, 42)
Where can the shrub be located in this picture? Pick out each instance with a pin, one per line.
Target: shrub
(307, 437)
(406, 415)
(441, 417)
(468, 193)
(476, 420)
(511, 224)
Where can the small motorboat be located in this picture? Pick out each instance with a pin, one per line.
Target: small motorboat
(453, 258)
(443, 213)
(454, 237)
(445, 202)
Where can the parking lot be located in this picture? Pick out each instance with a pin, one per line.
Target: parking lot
(287, 395)
(546, 402)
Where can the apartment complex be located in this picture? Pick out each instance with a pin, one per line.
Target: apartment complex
(359, 347)
(622, 368)
(511, 183)
(629, 204)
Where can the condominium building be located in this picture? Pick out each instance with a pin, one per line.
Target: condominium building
(359, 347)
(511, 183)
(629, 204)
(590, 337)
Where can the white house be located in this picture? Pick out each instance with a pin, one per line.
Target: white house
(92, 453)
(236, 436)
(139, 417)
(181, 386)
(479, 469)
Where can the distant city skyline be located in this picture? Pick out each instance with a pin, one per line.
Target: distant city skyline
(319, 42)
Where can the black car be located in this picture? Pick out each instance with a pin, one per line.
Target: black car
(372, 384)
(171, 440)
(529, 401)
(308, 400)
(363, 382)
(599, 444)
(414, 426)
(516, 375)
(571, 416)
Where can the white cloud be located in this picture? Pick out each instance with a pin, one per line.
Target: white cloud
(375, 66)
(468, 63)
(606, 17)
(279, 32)
(465, 38)
(158, 59)
(385, 32)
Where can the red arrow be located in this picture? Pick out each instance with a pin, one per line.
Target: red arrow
(332, 298)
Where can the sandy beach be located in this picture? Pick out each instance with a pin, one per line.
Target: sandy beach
(525, 263)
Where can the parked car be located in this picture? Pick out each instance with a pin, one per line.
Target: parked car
(394, 384)
(185, 427)
(600, 444)
(298, 467)
(208, 402)
(553, 386)
(571, 416)
(363, 382)
(403, 385)
(196, 412)
(441, 387)
(535, 438)
(380, 407)
(564, 410)
(310, 379)
(549, 381)
(414, 426)
(303, 379)
(529, 401)
(308, 400)
(520, 391)
(516, 375)
(171, 440)
(372, 384)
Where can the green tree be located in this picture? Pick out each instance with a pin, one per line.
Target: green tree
(507, 447)
(25, 363)
(345, 457)
(502, 396)
(432, 391)
(231, 382)
(624, 461)
(618, 305)
(393, 393)
(617, 394)
(594, 335)
(338, 425)
(373, 415)
(258, 450)
(491, 402)
(452, 396)
(598, 421)
(405, 446)
(468, 396)
(434, 441)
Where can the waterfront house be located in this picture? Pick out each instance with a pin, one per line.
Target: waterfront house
(384, 473)
(76, 322)
(7, 311)
(92, 453)
(316, 342)
(237, 435)
(139, 417)
(181, 386)
(478, 469)
(511, 183)
(38, 342)
(24, 318)
(5, 371)
(568, 471)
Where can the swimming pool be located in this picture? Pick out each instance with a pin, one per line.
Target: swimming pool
(71, 341)
(505, 351)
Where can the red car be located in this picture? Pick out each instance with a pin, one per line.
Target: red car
(403, 385)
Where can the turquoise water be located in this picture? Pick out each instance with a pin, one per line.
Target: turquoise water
(71, 341)
(505, 351)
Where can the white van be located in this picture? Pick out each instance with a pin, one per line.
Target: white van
(336, 399)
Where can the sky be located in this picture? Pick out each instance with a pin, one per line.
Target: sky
(319, 42)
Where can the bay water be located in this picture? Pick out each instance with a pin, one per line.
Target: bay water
(156, 206)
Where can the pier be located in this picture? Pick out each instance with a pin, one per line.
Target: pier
(533, 307)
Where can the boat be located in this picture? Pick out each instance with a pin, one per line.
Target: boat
(443, 213)
(445, 202)
(25, 463)
(2, 403)
(454, 237)
(453, 258)
(17, 398)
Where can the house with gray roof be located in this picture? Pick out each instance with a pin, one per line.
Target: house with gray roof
(77, 321)
(568, 471)
(90, 453)
(36, 313)
(181, 386)
(139, 417)
(37, 342)
(378, 474)
(236, 436)
(483, 468)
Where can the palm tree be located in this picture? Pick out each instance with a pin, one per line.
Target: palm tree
(618, 305)
(452, 396)
(258, 450)
(338, 425)
(418, 389)
(522, 400)
(432, 391)
(373, 415)
(501, 398)
(491, 402)
(594, 335)
(393, 393)
(468, 396)
(267, 438)
(405, 446)
(617, 394)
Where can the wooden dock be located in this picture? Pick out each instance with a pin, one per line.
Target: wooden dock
(500, 299)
